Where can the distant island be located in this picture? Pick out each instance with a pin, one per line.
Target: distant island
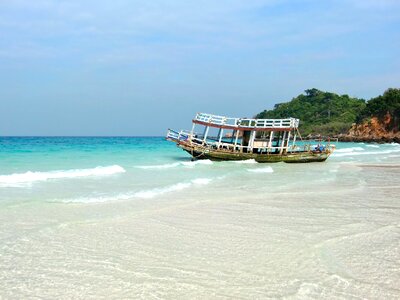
(324, 114)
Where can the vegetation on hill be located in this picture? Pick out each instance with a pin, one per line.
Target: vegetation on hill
(320, 112)
(386, 108)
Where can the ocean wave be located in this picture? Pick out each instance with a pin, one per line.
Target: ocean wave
(145, 194)
(27, 178)
(247, 161)
(189, 164)
(98, 199)
(347, 150)
(171, 188)
(261, 170)
(159, 191)
(372, 146)
(365, 153)
(196, 162)
(165, 166)
(201, 181)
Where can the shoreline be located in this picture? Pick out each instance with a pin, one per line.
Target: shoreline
(384, 139)
(369, 139)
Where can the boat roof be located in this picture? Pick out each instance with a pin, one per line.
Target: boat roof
(246, 124)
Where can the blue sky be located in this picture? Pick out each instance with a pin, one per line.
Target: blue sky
(138, 67)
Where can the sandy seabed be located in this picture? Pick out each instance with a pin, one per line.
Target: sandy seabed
(336, 239)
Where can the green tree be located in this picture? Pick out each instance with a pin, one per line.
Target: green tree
(319, 112)
(379, 106)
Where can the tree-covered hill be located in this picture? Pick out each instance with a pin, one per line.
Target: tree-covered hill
(386, 108)
(320, 112)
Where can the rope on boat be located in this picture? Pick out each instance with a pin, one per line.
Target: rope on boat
(197, 156)
(301, 138)
(298, 132)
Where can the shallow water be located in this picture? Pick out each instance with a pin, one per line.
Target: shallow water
(135, 218)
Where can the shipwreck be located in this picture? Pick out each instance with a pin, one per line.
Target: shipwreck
(264, 140)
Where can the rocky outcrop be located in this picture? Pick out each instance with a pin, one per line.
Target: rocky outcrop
(380, 130)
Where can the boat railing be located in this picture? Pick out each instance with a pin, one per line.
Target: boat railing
(217, 120)
(246, 122)
(178, 135)
(263, 146)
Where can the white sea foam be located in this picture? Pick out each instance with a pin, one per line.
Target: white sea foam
(372, 146)
(165, 166)
(145, 194)
(347, 150)
(307, 290)
(172, 188)
(191, 164)
(202, 181)
(99, 199)
(261, 170)
(247, 161)
(365, 153)
(159, 191)
(26, 179)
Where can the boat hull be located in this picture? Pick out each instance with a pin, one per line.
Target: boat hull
(200, 152)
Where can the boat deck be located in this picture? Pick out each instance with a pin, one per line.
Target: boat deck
(265, 140)
(245, 123)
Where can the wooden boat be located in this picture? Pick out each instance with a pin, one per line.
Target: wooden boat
(264, 140)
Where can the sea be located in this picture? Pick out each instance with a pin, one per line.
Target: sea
(136, 218)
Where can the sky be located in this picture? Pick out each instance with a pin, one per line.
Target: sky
(138, 67)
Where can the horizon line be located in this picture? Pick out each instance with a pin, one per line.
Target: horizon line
(80, 136)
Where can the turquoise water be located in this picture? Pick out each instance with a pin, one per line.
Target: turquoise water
(66, 169)
(115, 163)
(135, 217)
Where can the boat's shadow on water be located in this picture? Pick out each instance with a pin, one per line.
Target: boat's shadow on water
(180, 159)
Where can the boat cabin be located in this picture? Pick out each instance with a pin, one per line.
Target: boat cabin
(241, 135)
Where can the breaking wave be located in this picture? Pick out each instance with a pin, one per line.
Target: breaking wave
(156, 167)
(197, 162)
(347, 150)
(247, 161)
(26, 179)
(202, 181)
(189, 164)
(159, 191)
(261, 170)
(364, 153)
(145, 194)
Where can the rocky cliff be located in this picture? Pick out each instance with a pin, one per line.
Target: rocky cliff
(383, 129)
